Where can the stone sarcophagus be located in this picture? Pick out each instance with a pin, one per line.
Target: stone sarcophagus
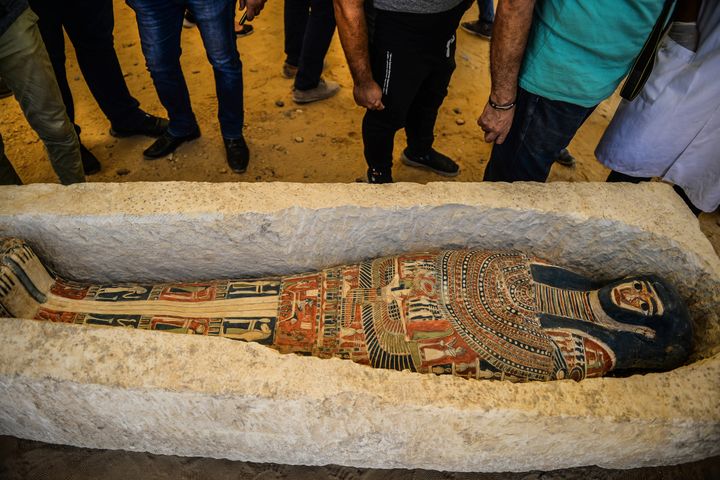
(479, 282)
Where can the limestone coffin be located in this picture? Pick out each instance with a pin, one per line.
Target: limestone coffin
(200, 396)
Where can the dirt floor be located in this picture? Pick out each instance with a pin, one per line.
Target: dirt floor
(314, 143)
(26, 460)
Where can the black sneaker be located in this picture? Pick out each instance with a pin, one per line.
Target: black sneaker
(379, 176)
(4, 89)
(478, 28)
(565, 158)
(90, 163)
(238, 154)
(435, 161)
(167, 144)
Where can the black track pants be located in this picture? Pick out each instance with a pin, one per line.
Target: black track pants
(412, 58)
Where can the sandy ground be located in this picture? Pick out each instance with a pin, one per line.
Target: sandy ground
(314, 143)
(26, 460)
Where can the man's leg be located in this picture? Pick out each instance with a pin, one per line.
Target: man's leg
(296, 15)
(486, 11)
(8, 175)
(89, 25)
(160, 25)
(49, 13)
(26, 67)
(540, 129)
(420, 126)
(216, 22)
(318, 34)
(421, 118)
(482, 27)
(399, 70)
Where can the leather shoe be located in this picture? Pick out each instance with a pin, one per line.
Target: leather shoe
(150, 126)
(90, 163)
(238, 154)
(167, 144)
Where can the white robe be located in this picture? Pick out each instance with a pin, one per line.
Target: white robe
(672, 129)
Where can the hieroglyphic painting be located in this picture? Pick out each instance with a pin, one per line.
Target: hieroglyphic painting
(472, 313)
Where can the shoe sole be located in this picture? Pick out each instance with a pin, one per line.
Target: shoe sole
(473, 32)
(242, 35)
(173, 151)
(304, 101)
(410, 163)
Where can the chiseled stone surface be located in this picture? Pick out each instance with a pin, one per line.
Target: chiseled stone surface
(135, 390)
(200, 396)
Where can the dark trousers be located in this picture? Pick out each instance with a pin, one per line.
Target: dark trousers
(309, 28)
(26, 68)
(540, 129)
(486, 11)
(89, 25)
(412, 58)
(160, 26)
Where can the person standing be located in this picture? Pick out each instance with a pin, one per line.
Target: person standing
(27, 71)
(160, 23)
(401, 55)
(672, 129)
(89, 24)
(548, 79)
(309, 28)
(482, 27)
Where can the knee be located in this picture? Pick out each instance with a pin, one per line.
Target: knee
(225, 61)
(161, 63)
(57, 131)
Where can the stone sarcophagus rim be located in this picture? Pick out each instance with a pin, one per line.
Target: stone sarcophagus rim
(213, 397)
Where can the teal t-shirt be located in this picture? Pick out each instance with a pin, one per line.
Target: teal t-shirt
(580, 50)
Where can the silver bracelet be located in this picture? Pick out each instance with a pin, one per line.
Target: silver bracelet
(496, 106)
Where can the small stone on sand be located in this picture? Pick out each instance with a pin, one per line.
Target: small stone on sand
(460, 121)
(279, 103)
(122, 172)
(299, 139)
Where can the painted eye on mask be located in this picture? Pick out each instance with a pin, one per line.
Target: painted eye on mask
(637, 286)
(645, 307)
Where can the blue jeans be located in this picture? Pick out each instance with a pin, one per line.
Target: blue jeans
(540, 129)
(160, 25)
(487, 11)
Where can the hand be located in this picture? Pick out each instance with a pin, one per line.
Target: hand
(496, 123)
(254, 7)
(369, 95)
